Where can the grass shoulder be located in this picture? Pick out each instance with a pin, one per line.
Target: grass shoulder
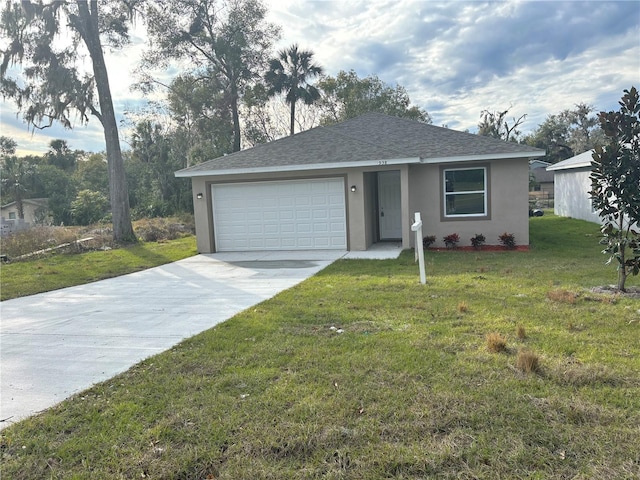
(54, 270)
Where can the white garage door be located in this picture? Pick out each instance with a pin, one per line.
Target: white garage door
(283, 215)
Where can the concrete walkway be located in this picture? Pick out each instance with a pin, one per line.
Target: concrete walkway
(55, 344)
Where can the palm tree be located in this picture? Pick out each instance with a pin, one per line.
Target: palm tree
(290, 73)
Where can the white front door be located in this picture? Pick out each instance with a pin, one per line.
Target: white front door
(389, 205)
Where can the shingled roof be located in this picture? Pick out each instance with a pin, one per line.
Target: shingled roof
(371, 137)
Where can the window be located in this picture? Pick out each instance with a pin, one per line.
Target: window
(465, 192)
(12, 215)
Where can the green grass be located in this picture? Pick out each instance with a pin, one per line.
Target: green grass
(65, 270)
(409, 390)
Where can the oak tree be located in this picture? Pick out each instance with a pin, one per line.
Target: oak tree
(55, 83)
(347, 96)
(225, 42)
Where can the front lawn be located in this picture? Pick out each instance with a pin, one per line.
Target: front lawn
(362, 373)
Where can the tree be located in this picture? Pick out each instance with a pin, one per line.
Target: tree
(584, 128)
(7, 146)
(155, 155)
(61, 155)
(567, 133)
(347, 96)
(92, 174)
(60, 188)
(553, 136)
(615, 185)
(290, 73)
(495, 124)
(267, 118)
(54, 82)
(227, 43)
(203, 120)
(15, 176)
(88, 207)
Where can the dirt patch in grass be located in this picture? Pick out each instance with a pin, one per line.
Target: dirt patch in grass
(562, 296)
(632, 292)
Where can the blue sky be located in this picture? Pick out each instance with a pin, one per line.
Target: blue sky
(454, 58)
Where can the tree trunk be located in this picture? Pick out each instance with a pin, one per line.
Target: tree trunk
(19, 205)
(118, 191)
(236, 118)
(293, 117)
(622, 268)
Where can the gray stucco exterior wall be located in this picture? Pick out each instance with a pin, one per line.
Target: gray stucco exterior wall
(508, 203)
(421, 191)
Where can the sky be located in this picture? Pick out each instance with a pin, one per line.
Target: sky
(454, 58)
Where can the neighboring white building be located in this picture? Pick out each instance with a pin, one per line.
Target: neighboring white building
(572, 186)
(36, 211)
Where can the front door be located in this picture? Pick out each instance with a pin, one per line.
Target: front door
(389, 205)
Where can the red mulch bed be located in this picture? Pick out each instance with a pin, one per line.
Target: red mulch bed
(484, 248)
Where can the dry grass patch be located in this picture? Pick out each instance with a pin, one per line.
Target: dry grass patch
(496, 343)
(521, 333)
(562, 296)
(528, 361)
(577, 374)
(463, 307)
(41, 238)
(163, 229)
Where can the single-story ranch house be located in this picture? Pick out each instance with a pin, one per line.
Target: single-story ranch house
(350, 185)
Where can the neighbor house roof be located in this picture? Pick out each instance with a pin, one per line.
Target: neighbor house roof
(38, 202)
(364, 140)
(579, 161)
(541, 175)
(537, 163)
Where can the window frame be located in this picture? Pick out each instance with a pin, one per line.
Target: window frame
(486, 215)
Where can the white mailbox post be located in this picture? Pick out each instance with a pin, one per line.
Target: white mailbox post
(417, 227)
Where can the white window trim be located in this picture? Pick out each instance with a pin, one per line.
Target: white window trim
(485, 192)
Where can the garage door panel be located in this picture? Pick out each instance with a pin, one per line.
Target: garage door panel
(304, 228)
(336, 200)
(283, 215)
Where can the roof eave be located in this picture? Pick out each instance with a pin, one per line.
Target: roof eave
(574, 166)
(485, 157)
(187, 173)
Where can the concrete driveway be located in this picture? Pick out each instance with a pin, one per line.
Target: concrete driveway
(55, 344)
